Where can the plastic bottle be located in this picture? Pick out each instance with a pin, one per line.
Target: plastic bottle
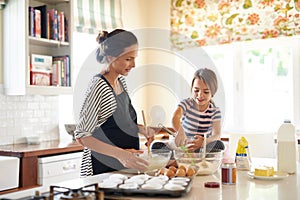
(287, 148)
(242, 155)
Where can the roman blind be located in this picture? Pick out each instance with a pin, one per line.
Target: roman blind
(91, 16)
(213, 22)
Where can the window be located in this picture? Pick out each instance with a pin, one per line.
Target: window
(267, 86)
(261, 83)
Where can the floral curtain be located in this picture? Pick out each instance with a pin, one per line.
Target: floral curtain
(212, 22)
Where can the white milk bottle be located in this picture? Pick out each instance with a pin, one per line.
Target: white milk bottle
(287, 148)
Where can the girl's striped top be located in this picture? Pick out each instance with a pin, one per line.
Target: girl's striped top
(196, 122)
(99, 104)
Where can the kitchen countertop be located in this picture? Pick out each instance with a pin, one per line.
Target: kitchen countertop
(44, 148)
(245, 188)
(29, 155)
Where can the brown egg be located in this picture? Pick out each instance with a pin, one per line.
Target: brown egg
(180, 172)
(170, 173)
(190, 171)
(182, 167)
(162, 171)
(174, 169)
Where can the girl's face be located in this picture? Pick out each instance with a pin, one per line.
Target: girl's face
(125, 62)
(201, 94)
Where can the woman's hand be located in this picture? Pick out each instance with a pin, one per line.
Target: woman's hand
(149, 134)
(131, 161)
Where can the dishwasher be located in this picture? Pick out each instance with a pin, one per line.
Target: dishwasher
(57, 168)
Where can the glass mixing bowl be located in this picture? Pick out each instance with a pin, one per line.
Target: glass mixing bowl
(212, 163)
(157, 158)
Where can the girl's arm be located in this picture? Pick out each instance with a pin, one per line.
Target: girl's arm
(180, 137)
(216, 132)
(216, 135)
(176, 118)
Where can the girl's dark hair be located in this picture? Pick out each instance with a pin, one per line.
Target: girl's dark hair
(113, 43)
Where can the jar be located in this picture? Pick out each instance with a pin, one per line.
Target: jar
(228, 173)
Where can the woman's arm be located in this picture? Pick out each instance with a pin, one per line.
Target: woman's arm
(89, 119)
(126, 157)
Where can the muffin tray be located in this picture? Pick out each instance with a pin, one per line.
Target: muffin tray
(144, 185)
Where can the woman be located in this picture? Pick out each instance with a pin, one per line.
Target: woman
(198, 116)
(107, 127)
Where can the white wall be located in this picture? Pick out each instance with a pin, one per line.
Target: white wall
(151, 18)
(1, 49)
(21, 116)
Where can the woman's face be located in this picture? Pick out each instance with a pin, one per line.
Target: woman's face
(125, 62)
(201, 94)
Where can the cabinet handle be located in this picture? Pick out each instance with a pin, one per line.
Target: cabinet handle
(69, 167)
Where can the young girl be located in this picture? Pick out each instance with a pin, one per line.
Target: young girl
(198, 116)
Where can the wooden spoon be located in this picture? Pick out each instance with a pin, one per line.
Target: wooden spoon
(145, 124)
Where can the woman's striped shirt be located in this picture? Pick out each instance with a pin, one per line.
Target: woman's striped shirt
(99, 104)
(195, 121)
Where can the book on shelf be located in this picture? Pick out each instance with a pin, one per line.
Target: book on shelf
(44, 20)
(63, 70)
(47, 70)
(40, 70)
(51, 24)
(31, 21)
(66, 29)
(61, 26)
(37, 23)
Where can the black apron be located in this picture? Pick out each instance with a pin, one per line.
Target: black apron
(120, 130)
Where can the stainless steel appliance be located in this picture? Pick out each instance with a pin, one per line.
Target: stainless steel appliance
(88, 192)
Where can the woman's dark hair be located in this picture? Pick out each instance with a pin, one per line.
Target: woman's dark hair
(114, 43)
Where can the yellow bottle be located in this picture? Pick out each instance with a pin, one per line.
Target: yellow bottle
(242, 155)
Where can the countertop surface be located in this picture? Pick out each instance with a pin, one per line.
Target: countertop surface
(245, 188)
(44, 148)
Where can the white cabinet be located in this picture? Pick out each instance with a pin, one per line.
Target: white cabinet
(9, 173)
(53, 169)
(19, 46)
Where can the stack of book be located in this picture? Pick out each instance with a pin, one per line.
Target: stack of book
(40, 70)
(50, 71)
(50, 24)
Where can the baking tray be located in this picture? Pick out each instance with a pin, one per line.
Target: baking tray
(117, 191)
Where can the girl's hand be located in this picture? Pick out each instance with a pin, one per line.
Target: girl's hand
(131, 161)
(180, 138)
(196, 143)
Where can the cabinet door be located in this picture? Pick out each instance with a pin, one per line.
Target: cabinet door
(20, 44)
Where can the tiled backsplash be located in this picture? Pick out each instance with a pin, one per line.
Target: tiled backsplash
(28, 115)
